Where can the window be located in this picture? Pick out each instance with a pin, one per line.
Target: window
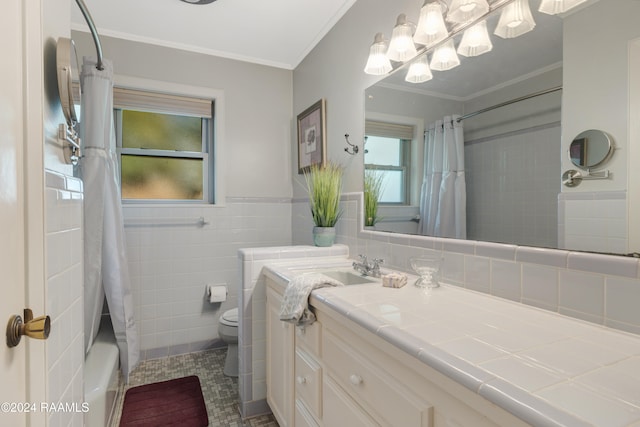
(387, 152)
(164, 144)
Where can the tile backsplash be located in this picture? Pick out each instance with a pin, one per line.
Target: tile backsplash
(589, 286)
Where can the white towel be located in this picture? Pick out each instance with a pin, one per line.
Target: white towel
(295, 305)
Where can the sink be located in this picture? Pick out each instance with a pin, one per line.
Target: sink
(348, 277)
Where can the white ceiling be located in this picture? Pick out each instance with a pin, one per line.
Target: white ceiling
(277, 33)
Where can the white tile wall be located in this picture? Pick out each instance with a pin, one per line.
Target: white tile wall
(512, 187)
(252, 343)
(172, 260)
(594, 221)
(65, 304)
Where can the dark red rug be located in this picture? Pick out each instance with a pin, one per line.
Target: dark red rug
(177, 402)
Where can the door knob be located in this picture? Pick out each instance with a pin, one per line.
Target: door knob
(37, 328)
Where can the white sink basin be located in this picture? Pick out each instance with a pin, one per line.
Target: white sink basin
(347, 277)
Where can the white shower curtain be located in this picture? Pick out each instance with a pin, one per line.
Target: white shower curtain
(106, 272)
(443, 197)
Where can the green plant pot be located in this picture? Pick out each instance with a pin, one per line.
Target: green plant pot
(324, 236)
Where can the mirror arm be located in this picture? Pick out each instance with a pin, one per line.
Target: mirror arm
(70, 141)
(573, 178)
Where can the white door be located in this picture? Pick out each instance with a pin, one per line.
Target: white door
(12, 224)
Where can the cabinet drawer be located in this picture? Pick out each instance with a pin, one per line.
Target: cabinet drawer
(309, 337)
(376, 389)
(340, 409)
(308, 381)
(303, 417)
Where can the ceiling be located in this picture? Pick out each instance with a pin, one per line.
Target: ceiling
(278, 33)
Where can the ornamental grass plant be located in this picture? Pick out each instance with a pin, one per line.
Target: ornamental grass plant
(324, 184)
(373, 181)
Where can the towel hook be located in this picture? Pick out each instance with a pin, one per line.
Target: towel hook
(353, 149)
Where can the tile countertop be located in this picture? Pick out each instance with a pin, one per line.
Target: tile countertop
(545, 368)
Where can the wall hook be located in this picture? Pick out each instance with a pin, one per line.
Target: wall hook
(352, 149)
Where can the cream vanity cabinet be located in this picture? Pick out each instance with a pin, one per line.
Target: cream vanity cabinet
(336, 373)
(280, 349)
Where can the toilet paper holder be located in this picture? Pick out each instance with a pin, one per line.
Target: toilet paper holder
(217, 293)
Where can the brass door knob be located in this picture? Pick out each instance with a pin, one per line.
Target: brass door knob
(37, 328)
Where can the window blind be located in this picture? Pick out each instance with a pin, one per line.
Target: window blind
(132, 99)
(388, 130)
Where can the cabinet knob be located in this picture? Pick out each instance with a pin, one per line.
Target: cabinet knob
(301, 380)
(355, 379)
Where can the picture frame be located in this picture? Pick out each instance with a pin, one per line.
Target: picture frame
(312, 139)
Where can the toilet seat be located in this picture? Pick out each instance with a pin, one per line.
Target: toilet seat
(230, 318)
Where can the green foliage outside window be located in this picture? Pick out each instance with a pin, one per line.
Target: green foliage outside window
(155, 174)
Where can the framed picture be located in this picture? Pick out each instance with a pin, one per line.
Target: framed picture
(312, 145)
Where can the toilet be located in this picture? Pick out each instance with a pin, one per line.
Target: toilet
(228, 332)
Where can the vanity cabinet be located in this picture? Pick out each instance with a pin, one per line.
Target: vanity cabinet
(280, 354)
(334, 372)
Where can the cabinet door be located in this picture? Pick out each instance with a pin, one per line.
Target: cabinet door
(279, 362)
(338, 409)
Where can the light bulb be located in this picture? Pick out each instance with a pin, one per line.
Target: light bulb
(445, 57)
(378, 64)
(431, 28)
(554, 7)
(419, 71)
(475, 40)
(515, 20)
(462, 11)
(401, 47)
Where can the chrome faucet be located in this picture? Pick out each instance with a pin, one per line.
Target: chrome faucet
(367, 268)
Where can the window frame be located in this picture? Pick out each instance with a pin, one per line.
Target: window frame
(405, 167)
(207, 153)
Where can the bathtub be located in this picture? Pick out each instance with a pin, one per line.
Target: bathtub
(101, 377)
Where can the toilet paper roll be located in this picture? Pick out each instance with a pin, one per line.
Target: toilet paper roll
(217, 293)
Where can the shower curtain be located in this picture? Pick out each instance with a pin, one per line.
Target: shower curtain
(105, 262)
(443, 200)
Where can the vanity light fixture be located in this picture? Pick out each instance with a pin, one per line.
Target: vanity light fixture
(434, 33)
(462, 11)
(378, 63)
(475, 40)
(515, 20)
(401, 47)
(445, 57)
(431, 28)
(419, 71)
(554, 7)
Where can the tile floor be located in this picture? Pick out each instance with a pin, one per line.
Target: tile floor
(220, 392)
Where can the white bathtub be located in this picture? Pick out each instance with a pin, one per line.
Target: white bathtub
(101, 377)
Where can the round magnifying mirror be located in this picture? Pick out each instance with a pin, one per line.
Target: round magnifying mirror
(68, 73)
(590, 148)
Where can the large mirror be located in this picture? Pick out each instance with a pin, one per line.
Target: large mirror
(513, 153)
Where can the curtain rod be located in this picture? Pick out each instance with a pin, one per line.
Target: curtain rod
(513, 101)
(94, 32)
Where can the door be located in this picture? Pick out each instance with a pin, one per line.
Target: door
(13, 391)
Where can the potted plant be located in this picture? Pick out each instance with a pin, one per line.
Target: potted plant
(373, 180)
(324, 184)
